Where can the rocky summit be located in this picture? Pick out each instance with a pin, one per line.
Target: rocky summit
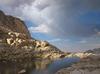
(16, 42)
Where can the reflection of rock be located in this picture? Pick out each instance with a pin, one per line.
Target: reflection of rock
(42, 65)
(22, 71)
(26, 67)
(16, 42)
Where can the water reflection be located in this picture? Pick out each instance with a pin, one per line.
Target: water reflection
(26, 67)
(42, 64)
(35, 67)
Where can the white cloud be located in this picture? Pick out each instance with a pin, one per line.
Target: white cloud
(41, 4)
(30, 12)
(34, 12)
(40, 29)
(58, 40)
(55, 40)
(83, 41)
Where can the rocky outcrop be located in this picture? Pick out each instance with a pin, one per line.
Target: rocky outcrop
(10, 23)
(94, 51)
(81, 55)
(16, 42)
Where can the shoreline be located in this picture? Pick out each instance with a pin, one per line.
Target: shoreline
(89, 65)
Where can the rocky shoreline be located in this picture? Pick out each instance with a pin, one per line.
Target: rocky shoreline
(89, 65)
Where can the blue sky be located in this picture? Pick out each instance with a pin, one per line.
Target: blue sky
(71, 25)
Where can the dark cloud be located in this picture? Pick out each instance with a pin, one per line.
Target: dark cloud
(14, 7)
(68, 16)
(15, 3)
(75, 20)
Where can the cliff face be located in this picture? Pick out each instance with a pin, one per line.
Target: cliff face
(16, 42)
(10, 23)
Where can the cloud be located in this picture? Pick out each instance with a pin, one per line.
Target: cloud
(6, 2)
(98, 33)
(75, 24)
(41, 28)
(83, 41)
(67, 15)
(15, 3)
(41, 4)
(55, 40)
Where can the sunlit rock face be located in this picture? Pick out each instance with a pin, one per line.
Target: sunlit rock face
(16, 42)
(81, 55)
(10, 23)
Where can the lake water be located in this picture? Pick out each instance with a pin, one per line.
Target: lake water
(37, 66)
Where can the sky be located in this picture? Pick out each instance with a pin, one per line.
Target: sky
(70, 25)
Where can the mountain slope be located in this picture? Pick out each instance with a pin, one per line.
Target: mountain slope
(94, 51)
(12, 24)
(16, 42)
